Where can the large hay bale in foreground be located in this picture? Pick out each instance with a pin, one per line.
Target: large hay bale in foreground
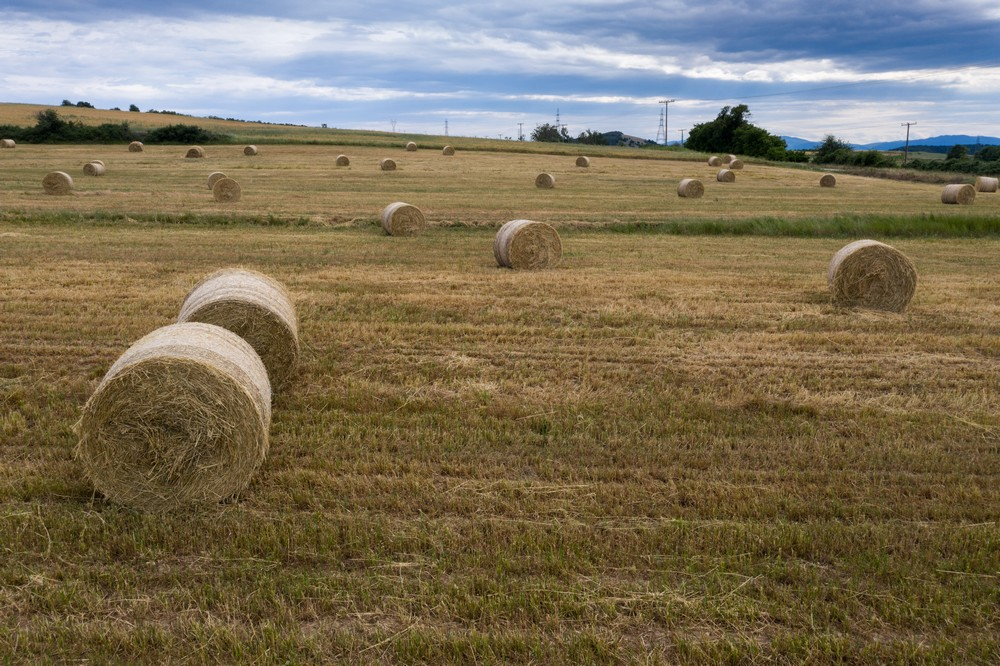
(95, 168)
(343, 160)
(963, 194)
(7, 143)
(255, 307)
(873, 275)
(987, 184)
(135, 147)
(690, 188)
(387, 164)
(828, 180)
(227, 190)
(180, 419)
(583, 161)
(57, 182)
(527, 244)
(725, 176)
(714, 161)
(402, 219)
(214, 177)
(250, 151)
(411, 147)
(545, 181)
(735, 164)
(195, 152)
(448, 150)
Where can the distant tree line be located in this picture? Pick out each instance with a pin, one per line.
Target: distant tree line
(835, 151)
(732, 132)
(50, 128)
(986, 161)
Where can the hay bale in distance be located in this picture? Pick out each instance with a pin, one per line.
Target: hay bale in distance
(255, 307)
(873, 275)
(227, 190)
(690, 188)
(725, 176)
(735, 164)
(828, 180)
(527, 244)
(95, 168)
(583, 161)
(411, 147)
(402, 219)
(180, 419)
(343, 160)
(714, 161)
(987, 184)
(545, 181)
(250, 151)
(195, 152)
(135, 147)
(57, 182)
(387, 165)
(963, 194)
(214, 177)
(8, 143)
(447, 150)
(730, 158)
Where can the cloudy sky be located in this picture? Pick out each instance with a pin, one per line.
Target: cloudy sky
(854, 69)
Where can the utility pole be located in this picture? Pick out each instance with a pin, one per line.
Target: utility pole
(446, 127)
(906, 151)
(682, 136)
(666, 119)
(520, 131)
(659, 130)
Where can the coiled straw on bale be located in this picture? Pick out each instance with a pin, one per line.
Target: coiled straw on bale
(527, 244)
(987, 184)
(343, 160)
(195, 152)
(735, 164)
(448, 150)
(958, 194)
(135, 147)
(583, 161)
(725, 176)
(95, 168)
(714, 161)
(873, 275)
(7, 143)
(180, 419)
(546, 181)
(250, 150)
(253, 306)
(690, 188)
(828, 180)
(57, 182)
(387, 165)
(402, 219)
(227, 190)
(411, 147)
(214, 177)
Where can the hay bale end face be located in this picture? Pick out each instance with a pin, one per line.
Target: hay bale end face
(545, 181)
(447, 150)
(181, 419)
(725, 176)
(714, 161)
(343, 160)
(828, 180)
(95, 168)
(195, 152)
(250, 151)
(7, 143)
(730, 158)
(958, 194)
(873, 275)
(411, 147)
(387, 165)
(987, 184)
(214, 177)
(583, 161)
(402, 219)
(735, 164)
(525, 244)
(227, 190)
(690, 188)
(57, 182)
(255, 307)
(135, 147)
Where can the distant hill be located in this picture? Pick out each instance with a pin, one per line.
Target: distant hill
(947, 140)
(795, 143)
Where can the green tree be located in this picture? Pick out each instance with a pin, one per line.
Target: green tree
(550, 133)
(133, 107)
(831, 147)
(957, 152)
(732, 132)
(988, 154)
(592, 138)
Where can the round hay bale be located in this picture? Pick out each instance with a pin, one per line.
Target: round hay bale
(343, 160)
(725, 176)
(735, 164)
(253, 306)
(873, 275)
(411, 147)
(95, 168)
(180, 419)
(101, 162)
(226, 190)
(987, 184)
(828, 180)
(583, 161)
(135, 147)
(387, 165)
(7, 143)
(730, 158)
(250, 151)
(402, 219)
(447, 150)
(57, 182)
(546, 181)
(690, 188)
(214, 178)
(527, 244)
(714, 161)
(195, 152)
(958, 194)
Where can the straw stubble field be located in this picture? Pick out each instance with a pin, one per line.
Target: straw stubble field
(669, 448)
